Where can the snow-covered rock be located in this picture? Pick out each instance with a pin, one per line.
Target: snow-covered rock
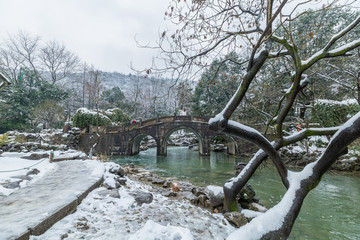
(152, 230)
(216, 195)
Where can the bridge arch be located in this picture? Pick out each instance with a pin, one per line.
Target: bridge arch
(204, 147)
(231, 144)
(134, 144)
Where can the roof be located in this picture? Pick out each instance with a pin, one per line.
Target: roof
(3, 80)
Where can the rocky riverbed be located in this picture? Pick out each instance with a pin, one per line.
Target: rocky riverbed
(136, 204)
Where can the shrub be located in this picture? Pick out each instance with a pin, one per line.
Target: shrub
(117, 115)
(334, 113)
(3, 139)
(85, 117)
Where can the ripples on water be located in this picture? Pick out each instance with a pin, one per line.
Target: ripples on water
(330, 211)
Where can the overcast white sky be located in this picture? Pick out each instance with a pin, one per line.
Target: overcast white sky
(100, 32)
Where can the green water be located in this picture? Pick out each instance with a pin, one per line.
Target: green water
(331, 211)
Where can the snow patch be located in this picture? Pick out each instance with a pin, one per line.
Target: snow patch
(250, 213)
(152, 230)
(333, 102)
(216, 190)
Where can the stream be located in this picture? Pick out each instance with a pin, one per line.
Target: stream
(330, 211)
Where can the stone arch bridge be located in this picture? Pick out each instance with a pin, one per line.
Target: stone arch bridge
(125, 139)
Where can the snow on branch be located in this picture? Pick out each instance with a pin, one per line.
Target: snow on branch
(325, 53)
(241, 91)
(247, 172)
(344, 49)
(253, 136)
(341, 139)
(340, 51)
(341, 33)
(281, 53)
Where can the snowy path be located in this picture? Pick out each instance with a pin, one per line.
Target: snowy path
(102, 217)
(35, 208)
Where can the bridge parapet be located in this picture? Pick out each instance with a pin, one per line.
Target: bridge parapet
(167, 119)
(200, 119)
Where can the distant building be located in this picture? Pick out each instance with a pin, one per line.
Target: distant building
(3, 81)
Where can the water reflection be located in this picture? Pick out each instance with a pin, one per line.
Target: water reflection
(331, 211)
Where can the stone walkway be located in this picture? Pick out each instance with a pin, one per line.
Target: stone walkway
(34, 209)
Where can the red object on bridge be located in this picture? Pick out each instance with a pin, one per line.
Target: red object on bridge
(299, 127)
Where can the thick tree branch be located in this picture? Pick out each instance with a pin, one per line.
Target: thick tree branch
(234, 185)
(301, 183)
(307, 133)
(253, 136)
(220, 121)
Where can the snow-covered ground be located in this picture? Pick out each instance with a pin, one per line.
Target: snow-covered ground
(103, 216)
(14, 168)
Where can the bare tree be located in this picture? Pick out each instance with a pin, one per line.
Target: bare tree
(17, 53)
(94, 87)
(10, 63)
(150, 97)
(59, 61)
(343, 74)
(209, 29)
(24, 48)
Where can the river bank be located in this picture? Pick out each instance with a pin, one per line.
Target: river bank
(135, 210)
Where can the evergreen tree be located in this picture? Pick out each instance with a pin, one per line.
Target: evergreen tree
(22, 96)
(217, 85)
(112, 98)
